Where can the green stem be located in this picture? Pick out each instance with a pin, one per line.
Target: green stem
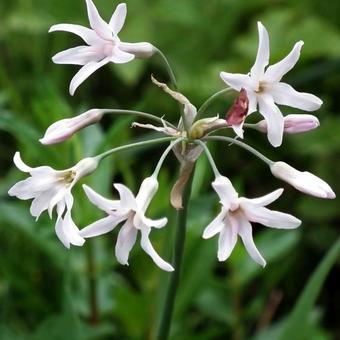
(210, 158)
(205, 105)
(166, 318)
(242, 145)
(93, 301)
(133, 145)
(168, 68)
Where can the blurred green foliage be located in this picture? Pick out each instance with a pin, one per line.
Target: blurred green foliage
(47, 291)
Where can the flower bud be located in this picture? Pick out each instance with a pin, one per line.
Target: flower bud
(296, 123)
(302, 181)
(204, 126)
(142, 50)
(65, 128)
(238, 112)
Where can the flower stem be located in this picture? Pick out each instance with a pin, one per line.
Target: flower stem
(205, 105)
(167, 312)
(210, 158)
(168, 68)
(242, 145)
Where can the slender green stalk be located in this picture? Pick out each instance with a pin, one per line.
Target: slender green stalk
(167, 312)
(205, 105)
(93, 301)
(168, 68)
(133, 145)
(242, 145)
(210, 158)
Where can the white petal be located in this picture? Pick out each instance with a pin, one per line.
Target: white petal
(226, 192)
(20, 164)
(85, 72)
(273, 117)
(252, 105)
(59, 230)
(58, 197)
(125, 241)
(121, 57)
(148, 248)
(245, 231)
(264, 200)
(270, 218)
(236, 80)
(140, 221)
(97, 23)
(275, 72)
(79, 55)
(100, 201)
(127, 199)
(118, 18)
(284, 94)
(88, 35)
(31, 187)
(71, 231)
(238, 129)
(216, 225)
(41, 202)
(226, 241)
(146, 192)
(262, 58)
(100, 227)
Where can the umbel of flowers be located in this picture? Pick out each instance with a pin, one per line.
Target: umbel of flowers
(261, 89)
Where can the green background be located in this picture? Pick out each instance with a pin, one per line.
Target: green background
(47, 291)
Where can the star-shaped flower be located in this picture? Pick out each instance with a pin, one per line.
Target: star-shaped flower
(103, 44)
(51, 188)
(130, 209)
(236, 215)
(265, 89)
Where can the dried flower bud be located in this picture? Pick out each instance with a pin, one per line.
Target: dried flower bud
(238, 112)
(204, 126)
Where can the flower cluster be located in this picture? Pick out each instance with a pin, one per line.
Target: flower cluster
(260, 89)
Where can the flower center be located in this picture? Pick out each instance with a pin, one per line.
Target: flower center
(69, 177)
(261, 87)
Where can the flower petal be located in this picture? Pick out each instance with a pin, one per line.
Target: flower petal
(148, 248)
(226, 241)
(245, 231)
(100, 227)
(41, 202)
(125, 241)
(237, 81)
(85, 72)
(88, 35)
(127, 199)
(284, 94)
(79, 55)
(140, 221)
(270, 218)
(275, 72)
(262, 58)
(20, 164)
(264, 200)
(121, 57)
(273, 117)
(71, 231)
(118, 18)
(59, 230)
(226, 192)
(216, 225)
(97, 23)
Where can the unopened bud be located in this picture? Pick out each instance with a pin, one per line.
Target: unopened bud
(65, 128)
(142, 50)
(296, 123)
(204, 126)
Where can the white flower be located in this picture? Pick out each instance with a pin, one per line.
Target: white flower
(65, 128)
(103, 45)
(51, 188)
(236, 215)
(302, 181)
(265, 89)
(130, 209)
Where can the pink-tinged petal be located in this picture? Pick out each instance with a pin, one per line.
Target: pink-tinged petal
(80, 55)
(226, 192)
(262, 58)
(264, 200)
(59, 230)
(100, 201)
(275, 72)
(273, 117)
(127, 199)
(236, 80)
(88, 35)
(100, 227)
(216, 225)
(125, 241)
(246, 233)
(118, 18)
(226, 241)
(284, 94)
(148, 248)
(270, 218)
(297, 123)
(85, 72)
(71, 231)
(97, 23)
(121, 57)
(20, 164)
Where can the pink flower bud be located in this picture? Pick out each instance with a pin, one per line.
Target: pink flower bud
(65, 128)
(296, 123)
(237, 113)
